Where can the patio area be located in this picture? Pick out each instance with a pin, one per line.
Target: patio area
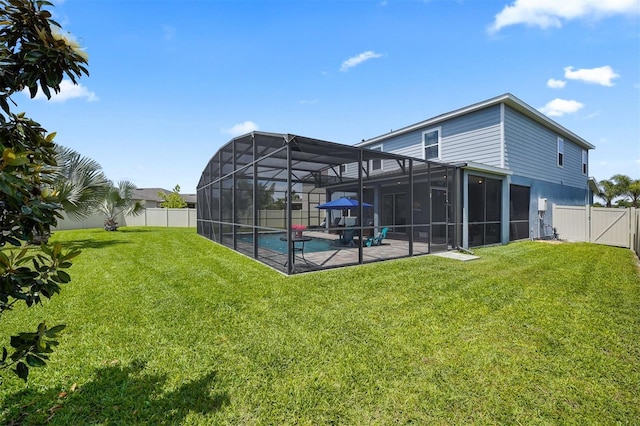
(263, 184)
(339, 255)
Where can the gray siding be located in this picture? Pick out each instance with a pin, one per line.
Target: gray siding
(541, 224)
(475, 137)
(531, 151)
(409, 144)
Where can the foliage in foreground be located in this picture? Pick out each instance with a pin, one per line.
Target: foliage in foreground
(531, 333)
(34, 55)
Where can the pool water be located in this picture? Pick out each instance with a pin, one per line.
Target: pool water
(273, 242)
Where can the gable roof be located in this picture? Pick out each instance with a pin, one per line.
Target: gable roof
(151, 194)
(507, 99)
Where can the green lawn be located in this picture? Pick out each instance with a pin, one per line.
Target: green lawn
(167, 327)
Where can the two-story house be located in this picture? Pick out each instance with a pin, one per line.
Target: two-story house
(515, 162)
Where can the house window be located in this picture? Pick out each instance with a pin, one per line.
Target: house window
(584, 162)
(560, 152)
(376, 164)
(431, 142)
(343, 168)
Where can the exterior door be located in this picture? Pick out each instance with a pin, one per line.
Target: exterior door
(394, 212)
(439, 219)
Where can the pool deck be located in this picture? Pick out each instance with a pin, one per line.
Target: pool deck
(391, 248)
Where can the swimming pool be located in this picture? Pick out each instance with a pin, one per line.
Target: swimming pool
(273, 242)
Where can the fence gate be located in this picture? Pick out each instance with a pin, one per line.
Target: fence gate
(610, 226)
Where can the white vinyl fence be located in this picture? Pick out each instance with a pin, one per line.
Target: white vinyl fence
(187, 218)
(610, 226)
(181, 218)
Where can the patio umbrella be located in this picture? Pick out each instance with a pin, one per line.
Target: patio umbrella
(342, 204)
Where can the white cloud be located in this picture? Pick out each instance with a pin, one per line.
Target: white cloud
(551, 13)
(593, 115)
(601, 75)
(556, 84)
(358, 59)
(241, 128)
(559, 107)
(68, 90)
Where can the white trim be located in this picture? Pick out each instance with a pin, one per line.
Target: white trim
(479, 167)
(509, 100)
(424, 146)
(377, 148)
(502, 142)
(559, 152)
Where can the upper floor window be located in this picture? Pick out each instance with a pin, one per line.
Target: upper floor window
(584, 162)
(343, 168)
(376, 164)
(560, 152)
(431, 143)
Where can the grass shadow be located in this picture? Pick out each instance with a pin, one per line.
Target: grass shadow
(117, 395)
(93, 244)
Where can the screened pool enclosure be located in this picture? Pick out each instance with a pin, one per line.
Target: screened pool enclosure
(280, 199)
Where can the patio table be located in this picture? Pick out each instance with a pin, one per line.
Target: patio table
(295, 249)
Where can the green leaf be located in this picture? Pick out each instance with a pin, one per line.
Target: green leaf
(35, 361)
(22, 370)
(10, 157)
(53, 331)
(64, 277)
(4, 260)
(41, 345)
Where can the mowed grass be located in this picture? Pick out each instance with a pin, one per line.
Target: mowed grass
(166, 327)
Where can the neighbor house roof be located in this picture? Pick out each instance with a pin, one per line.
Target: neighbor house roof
(151, 194)
(508, 99)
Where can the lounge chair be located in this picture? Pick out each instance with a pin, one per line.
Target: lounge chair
(377, 240)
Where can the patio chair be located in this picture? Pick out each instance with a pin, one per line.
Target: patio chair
(347, 237)
(377, 240)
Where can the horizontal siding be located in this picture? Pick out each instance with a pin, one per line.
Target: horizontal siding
(409, 144)
(475, 137)
(531, 151)
(541, 225)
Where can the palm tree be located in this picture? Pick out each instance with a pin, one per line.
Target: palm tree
(628, 188)
(608, 191)
(634, 193)
(78, 182)
(119, 200)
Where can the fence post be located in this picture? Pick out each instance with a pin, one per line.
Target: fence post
(587, 222)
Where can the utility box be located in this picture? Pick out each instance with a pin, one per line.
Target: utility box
(542, 204)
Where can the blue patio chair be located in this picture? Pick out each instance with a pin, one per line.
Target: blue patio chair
(377, 240)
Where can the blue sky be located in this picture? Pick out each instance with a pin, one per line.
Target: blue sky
(172, 81)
